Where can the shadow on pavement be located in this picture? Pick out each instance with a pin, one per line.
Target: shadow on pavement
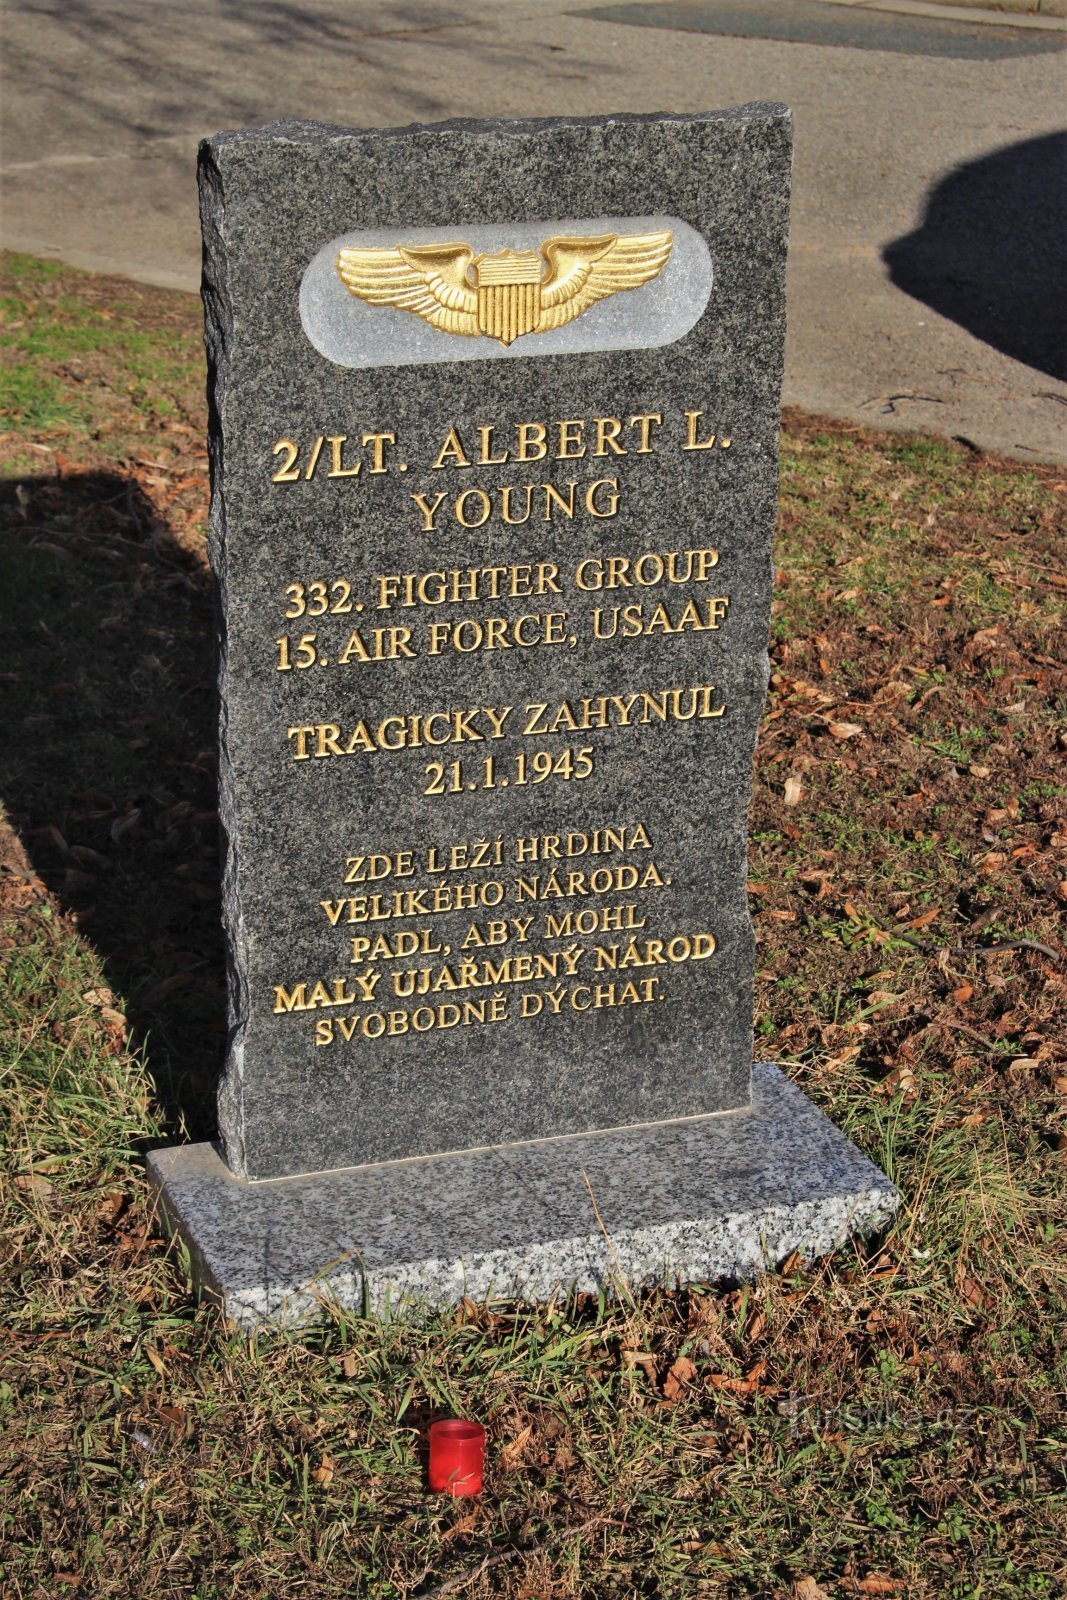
(107, 767)
(991, 254)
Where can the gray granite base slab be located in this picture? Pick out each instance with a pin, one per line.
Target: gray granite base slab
(692, 1200)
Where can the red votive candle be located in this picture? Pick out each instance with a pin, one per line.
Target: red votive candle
(457, 1451)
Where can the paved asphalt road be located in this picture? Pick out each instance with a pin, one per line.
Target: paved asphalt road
(927, 247)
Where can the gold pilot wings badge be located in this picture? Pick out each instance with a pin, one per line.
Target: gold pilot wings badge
(506, 295)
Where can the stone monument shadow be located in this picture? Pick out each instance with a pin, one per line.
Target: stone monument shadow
(108, 771)
(991, 252)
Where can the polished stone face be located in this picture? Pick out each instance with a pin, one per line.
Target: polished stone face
(493, 631)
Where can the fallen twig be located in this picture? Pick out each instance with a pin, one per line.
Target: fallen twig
(461, 1579)
(1021, 944)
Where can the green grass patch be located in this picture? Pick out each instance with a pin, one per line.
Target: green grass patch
(80, 360)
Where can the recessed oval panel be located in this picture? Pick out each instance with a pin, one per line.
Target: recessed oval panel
(497, 292)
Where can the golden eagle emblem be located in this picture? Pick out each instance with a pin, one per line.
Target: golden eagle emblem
(508, 294)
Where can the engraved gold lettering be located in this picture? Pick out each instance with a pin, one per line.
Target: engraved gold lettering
(428, 512)
(486, 457)
(633, 621)
(410, 589)
(301, 735)
(611, 498)
(337, 442)
(386, 644)
(532, 444)
(484, 1009)
(313, 459)
(479, 498)
(654, 952)
(645, 424)
(452, 453)
(290, 999)
(607, 436)
(692, 419)
(378, 442)
(565, 505)
(571, 439)
(645, 571)
(288, 472)
(372, 868)
(602, 880)
(505, 505)
(598, 919)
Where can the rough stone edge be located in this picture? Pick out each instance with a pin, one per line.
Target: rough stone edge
(305, 130)
(732, 1245)
(219, 343)
(639, 1259)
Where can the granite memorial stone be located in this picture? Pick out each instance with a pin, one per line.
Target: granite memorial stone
(494, 442)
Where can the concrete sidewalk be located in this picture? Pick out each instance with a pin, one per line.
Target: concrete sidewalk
(927, 233)
(1009, 13)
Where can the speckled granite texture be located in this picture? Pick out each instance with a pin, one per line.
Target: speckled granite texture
(707, 1198)
(303, 1093)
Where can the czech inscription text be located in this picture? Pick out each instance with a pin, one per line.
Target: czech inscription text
(536, 925)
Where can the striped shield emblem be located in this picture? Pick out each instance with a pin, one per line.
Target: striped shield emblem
(509, 294)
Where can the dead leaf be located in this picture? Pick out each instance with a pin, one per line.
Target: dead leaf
(903, 1078)
(975, 1295)
(640, 1358)
(110, 1206)
(98, 997)
(156, 1360)
(682, 1372)
(794, 791)
(177, 980)
(878, 1583)
(512, 1453)
(756, 1325)
(746, 1385)
(123, 825)
(844, 730)
(349, 1364)
(30, 1183)
(963, 993)
(926, 918)
(86, 857)
(464, 1525)
(324, 1472)
(807, 1589)
(984, 640)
